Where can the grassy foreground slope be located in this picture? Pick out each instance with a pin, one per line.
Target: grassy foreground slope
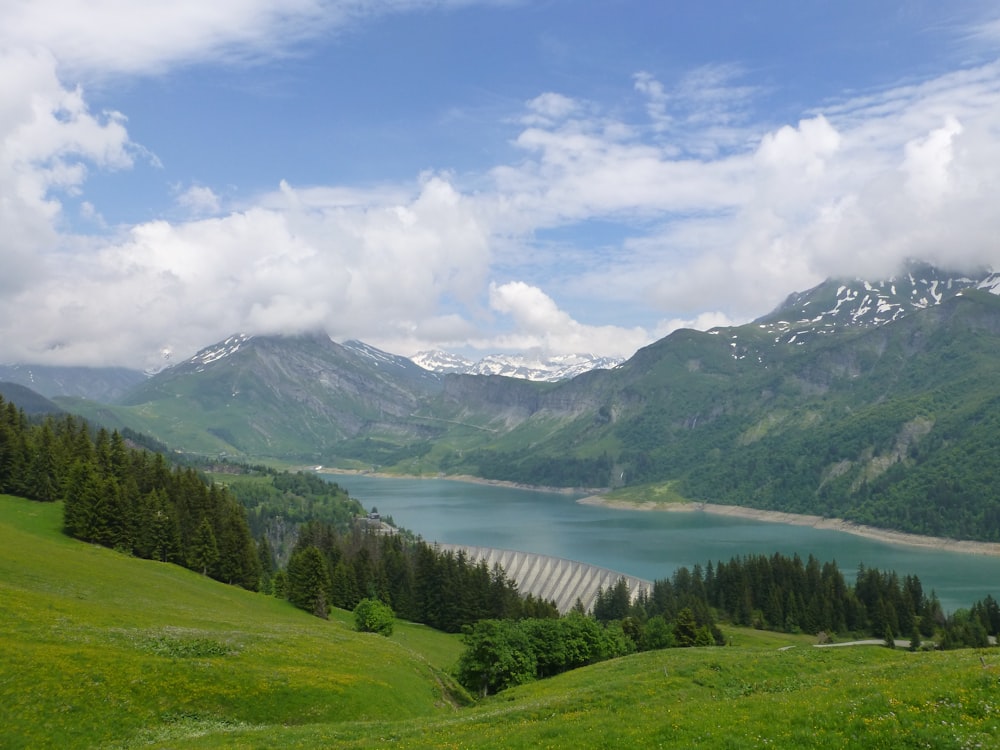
(99, 650)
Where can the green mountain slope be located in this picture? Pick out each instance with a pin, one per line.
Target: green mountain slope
(277, 397)
(101, 650)
(890, 425)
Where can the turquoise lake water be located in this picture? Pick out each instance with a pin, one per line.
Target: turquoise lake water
(649, 545)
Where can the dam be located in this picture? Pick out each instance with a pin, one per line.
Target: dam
(552, 578)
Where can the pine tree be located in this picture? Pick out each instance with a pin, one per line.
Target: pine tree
(204, 551)
(685, 628)
(159, 536)
(308, 581)
(43, 483)
(82, 499)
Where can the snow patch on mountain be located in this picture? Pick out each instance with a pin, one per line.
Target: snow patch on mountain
(524, 366)
(443, 362)
(219, 351)
(859, 303)
(991, 283)
(377, 357)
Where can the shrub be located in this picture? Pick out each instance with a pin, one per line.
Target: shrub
(373, 616)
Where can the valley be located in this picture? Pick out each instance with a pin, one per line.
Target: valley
(874, 402)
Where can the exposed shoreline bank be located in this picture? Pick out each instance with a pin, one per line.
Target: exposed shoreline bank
(991, 549)
(467, 478)
(966, 547)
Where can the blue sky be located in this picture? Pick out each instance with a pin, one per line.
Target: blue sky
(474, 176)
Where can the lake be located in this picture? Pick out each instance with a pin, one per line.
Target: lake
(648, 545)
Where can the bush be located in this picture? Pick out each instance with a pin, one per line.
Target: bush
(373, 616)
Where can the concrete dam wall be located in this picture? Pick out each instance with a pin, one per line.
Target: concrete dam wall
(552, 578)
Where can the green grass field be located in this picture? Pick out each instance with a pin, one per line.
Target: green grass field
(101, 650)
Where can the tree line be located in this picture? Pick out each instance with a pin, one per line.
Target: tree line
(420, 582)
(126, 498)
(776, 592)
(786, 594)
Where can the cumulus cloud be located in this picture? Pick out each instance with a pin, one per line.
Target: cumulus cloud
(48, 141)
(376, 272)
(199, 200)
(549, 108)
(539, 324)
(909, 172)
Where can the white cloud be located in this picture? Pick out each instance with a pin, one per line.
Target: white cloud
(656, 105)
(549, 108)
(539, 324)
(377, 272)
(703, 322)
(123, 36)
(906, 172)
(199, 200)
(48, 140)
(927, 161)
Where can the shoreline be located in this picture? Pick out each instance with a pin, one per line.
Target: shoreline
(467, 478)
(945, 544)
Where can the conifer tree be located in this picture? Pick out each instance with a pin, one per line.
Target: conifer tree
(43, 483)
(308, 581)
(204, 550)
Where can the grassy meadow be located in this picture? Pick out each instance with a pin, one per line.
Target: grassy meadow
(101, 650)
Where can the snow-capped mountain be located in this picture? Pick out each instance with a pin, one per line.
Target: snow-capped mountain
(855, 303)
(443, 362)
(523, 366)
(218, 351)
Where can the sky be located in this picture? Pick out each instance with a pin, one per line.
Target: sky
(476, 176)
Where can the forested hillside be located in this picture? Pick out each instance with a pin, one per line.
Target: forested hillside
(127, 498)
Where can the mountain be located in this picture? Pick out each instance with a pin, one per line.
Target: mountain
(27, 400)
(890, 424)
(875, 401)
(443, 362)
(105, 384)
(280, 397)
(523, 366)
(837, 304)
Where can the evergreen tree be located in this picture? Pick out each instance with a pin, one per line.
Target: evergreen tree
(279, 585)
(82, 499)
(308, 581)
(203, 551)
(344, 586)
(159, 536)
(685, 628)
(43, 483)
